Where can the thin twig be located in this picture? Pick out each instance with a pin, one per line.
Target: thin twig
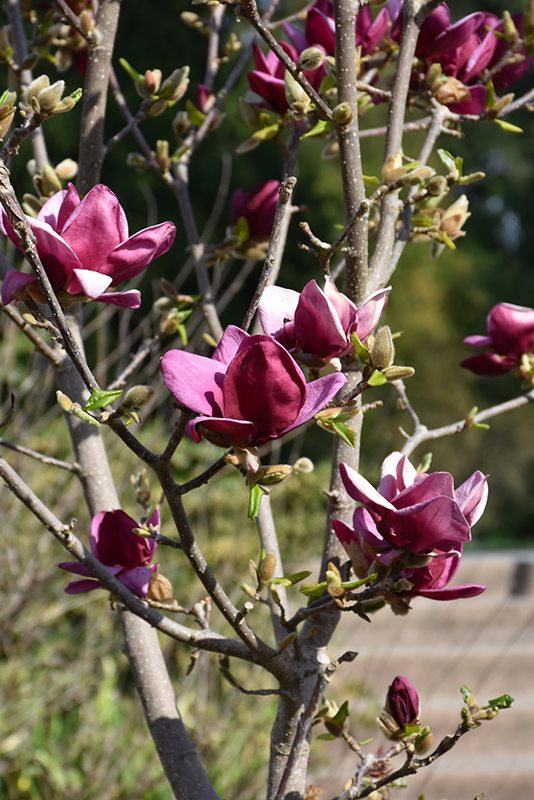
(52, 462)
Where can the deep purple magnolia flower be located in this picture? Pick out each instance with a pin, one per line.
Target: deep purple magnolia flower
(510, 337)
(124, 553)
(465, 50)
(319, 29)
(257, 207)
(413, 513)
(402, 702)
(318, 323)
(267, 79)
(85, 247)
(249, 392)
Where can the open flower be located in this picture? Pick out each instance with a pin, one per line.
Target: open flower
(85, 247)
(316, 325)
(420, 518)
(510, 338)
(124, 553)
(249, 392)
(267, 79)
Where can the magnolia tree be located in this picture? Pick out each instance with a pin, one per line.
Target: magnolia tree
(290, 360)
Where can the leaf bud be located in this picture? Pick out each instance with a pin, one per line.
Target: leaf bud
(395, 373)
(174, 87)
(50, 183)
(180, 124)
(159, 588)
(136, 397)
(295, 94)
(455, 216)
(162, 154)
(64, 401)
(383, 349)
(343, 115)
(451, 90)
(424, 742)
(162, 305)
(150, 83)
(269, 476)
(393, 168)
(266, 569)
(311, 58)
(437, 185)
(137, 160)
(47, 99)
(87, 22)
(67, 169)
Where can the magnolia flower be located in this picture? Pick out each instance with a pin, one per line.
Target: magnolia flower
(319, 29)
(267, 79)
(316, 325)
(124, 553)
(465, 50)
(257, 208)
(85, 247)
(249, 392)
(510, 337)
(412, 513)
(402, 702)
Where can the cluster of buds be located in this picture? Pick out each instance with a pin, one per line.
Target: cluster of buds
(48, 182)
(160, 94)
(377, 357)
(46, 100)
(442, 226)
(396, 171)
(335, 420)
(474, 714)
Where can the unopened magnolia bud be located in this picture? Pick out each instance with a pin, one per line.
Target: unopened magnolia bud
(455, 216)
(433, 74)
(64, 401)
(137, 396)
(162, 153)
(181, 123)
(451, 91)
(268, 476)
(311, 58)
(267, 568)
(333, 576)
(437, 185)
(49, 97)
(31, 205)
(383, 350)
(50, 183)
(162, 305)
(393, 168)
(87, 22)
(424, 742)
(396, 373)
(67, 169)
(151, 83)
(415, 176)
(343, 115)
(159, 588)
(295, 94)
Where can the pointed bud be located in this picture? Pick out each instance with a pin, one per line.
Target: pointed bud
(136, 397)
(295, 94)
(343, 115)
(393, 168)
(383, 349)
(50, 183)
(403, 702)
(395, 373)
(267, 568)
(511, 33)
(175, 86)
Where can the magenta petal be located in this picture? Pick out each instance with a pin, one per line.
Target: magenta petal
(114, 543)
(195, 381)
(511, 329)
(78, 587)
(131, 257)
(14, 282)
(472, 497)
(276, 306)
(75, 567)
(425, 487)
(436, 523)
(396, 474)
(84, 281)
(59, 260)
(222, 432)
(477, 341)
(129, 299)
(265, 386)
(368, 315)
(489, 364)
(361, 490)
(475, 105)
(320, 29)
(136, 580)
(96, 226)
(453, 592)
(318, 328)
(231, 342)
(270, 88)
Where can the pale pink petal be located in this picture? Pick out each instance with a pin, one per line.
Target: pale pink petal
(361, 490)
(96, 226)
(472, 497)
(131, 257)
(195, 381)
(86, 282)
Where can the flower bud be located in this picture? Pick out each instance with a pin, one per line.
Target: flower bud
(159, 588)
(455, 216)
(510, 31)
(295, 94)
(395, 373)
(50, 183)
(136, 397)
(180, 124)
(267, 568)
(269, 476)
(437, 185)
(150, 83)
(424, 742)
(162, 154)
(87, 22)
(452, 91)
(311, 58)
(402, 708)
(67, 169)
(393, 168)
(383, 349)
